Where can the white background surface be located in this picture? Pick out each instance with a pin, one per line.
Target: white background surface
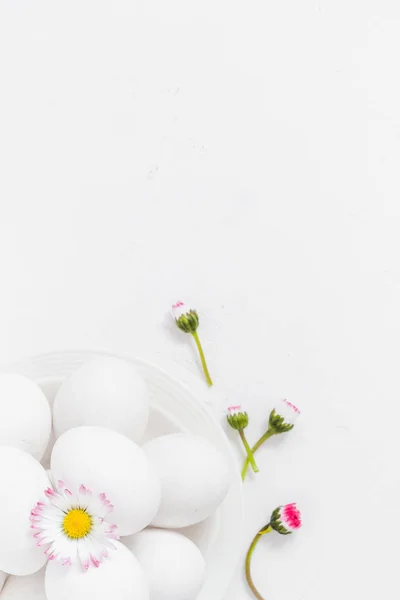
(242, 156)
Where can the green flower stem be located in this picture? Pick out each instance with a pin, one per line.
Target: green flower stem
(202, 358)
(256, 446)
(250, 551)
(249, 453)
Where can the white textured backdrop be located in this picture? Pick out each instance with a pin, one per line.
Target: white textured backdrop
(242, 156)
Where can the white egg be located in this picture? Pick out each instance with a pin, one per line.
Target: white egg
(23, 481)
(194, 478)
(107, 392)
(25, 416)
(3, 577)
(30, 587)
(107, 462)
(118, 578)
(173, 564)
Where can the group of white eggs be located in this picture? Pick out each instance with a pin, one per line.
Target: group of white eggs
(98, 418)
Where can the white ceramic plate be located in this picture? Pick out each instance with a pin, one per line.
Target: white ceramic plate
(173, 408)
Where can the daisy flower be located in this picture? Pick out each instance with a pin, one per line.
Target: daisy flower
(74, 526)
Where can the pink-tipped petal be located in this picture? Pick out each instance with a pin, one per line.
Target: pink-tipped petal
(178, 304)
(291, 406)
(179, 309)
(95, 562)
(235, 409)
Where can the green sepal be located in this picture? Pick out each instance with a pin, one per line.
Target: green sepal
(277, 423)
(276, 522)
(238, 421)
(188, 322)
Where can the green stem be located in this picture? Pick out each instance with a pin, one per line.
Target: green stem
(202, 358)
(256, 446)
(250, 551)
(250, 456)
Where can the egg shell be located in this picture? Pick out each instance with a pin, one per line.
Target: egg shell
(25, 415)
(194, 478)
(173, 564)
(107, 462)
(120, 577)
(30, 587)
(23, 481)
(107, 392)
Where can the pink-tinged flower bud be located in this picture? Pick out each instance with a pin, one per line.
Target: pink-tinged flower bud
(186, 319)
(286, 519)
(237, 417)
(283, 416)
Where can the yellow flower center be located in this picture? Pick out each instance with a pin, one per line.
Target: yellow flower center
(77, 523)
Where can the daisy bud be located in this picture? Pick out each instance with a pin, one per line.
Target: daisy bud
(286, 519)
(186, 319)
(282, 418)
(237, 417)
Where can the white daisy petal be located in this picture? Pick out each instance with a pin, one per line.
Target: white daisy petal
(67, 550)
(179, 309)
(84, 554)
(288, 411)
(105, 542)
